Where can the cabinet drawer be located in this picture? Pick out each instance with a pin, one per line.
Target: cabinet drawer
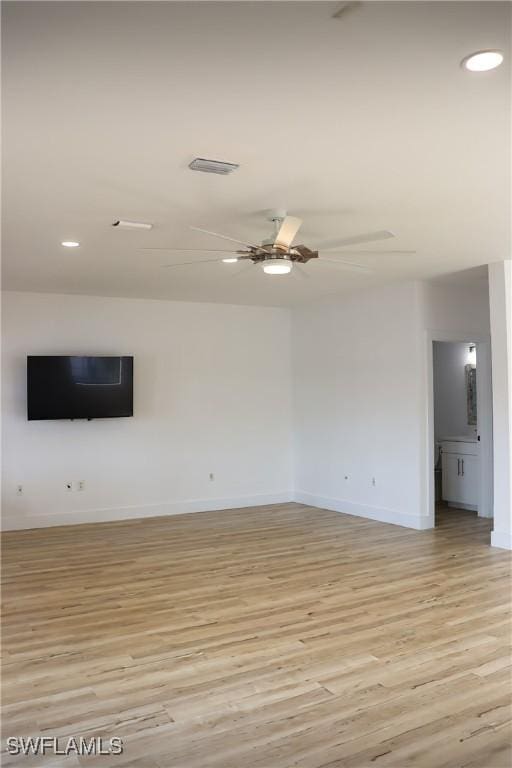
(466, 449)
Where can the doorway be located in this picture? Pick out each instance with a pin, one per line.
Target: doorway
(460, 429)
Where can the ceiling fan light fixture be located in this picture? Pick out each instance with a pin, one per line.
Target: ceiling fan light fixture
(277, 266)
(70, 243)
(232, 260)
(483, 61)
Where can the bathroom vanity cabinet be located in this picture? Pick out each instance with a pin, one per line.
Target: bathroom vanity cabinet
(460, 469)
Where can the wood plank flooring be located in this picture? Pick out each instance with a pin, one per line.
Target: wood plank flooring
(263, 638)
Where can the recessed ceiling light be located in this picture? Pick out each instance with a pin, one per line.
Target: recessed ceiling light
(229, 261)
(277, 266)
(483, 61)
(70, 244)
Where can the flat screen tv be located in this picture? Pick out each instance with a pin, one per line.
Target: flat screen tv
(72, 387)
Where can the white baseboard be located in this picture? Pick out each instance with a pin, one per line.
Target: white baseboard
(458, 505)
(501, 539)
(111, 514)
(383, 515)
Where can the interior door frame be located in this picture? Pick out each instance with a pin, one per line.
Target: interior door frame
(484, 417)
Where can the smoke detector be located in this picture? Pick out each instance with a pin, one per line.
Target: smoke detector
(212, 166)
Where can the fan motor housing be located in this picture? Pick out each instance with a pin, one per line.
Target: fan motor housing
(300, 254)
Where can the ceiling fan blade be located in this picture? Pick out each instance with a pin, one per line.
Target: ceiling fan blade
(355, 253)
(193, 250)
(343, 8)
(190, 263)
(226, 237)
(243, 269)
(346, 265)
(366, 237)
(287, 231)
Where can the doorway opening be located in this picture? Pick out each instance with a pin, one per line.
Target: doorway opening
(460, 464)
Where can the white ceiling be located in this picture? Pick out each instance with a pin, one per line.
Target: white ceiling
(360, 123)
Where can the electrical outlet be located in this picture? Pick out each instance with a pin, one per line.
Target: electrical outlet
(211, 476)
(80, 486)
(19, 490)
(69, 486)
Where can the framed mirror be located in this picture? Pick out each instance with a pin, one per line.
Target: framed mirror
(471, 393)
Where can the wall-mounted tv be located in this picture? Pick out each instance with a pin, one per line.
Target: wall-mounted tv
(73, 387)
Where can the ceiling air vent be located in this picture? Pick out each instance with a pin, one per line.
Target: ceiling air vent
(123, 224)
(212, 166)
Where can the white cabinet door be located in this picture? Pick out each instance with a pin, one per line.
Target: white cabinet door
(468, 480)
(451, 477)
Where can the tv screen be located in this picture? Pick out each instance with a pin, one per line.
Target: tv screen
(69, 387)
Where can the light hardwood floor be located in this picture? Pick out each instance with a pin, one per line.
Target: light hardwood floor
(266, 638)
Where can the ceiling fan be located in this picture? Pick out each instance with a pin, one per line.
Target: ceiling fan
(277, 255)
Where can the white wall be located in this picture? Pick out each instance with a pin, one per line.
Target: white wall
(361, 396)
(500, 295)
(462, 309)
(212, 394)
(450, 401)
(213, 391)
(357, 405)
